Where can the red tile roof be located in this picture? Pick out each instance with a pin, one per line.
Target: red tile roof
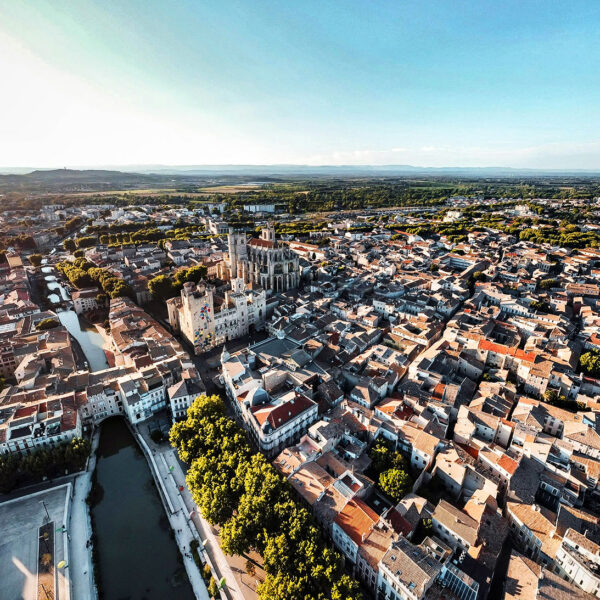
(287, 411)
(356, 519)
(508, 464)
(505, 350)
(262, 243)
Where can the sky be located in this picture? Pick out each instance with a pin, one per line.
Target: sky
(425, 82)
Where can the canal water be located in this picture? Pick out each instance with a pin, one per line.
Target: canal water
(138, 558)
(89, 339)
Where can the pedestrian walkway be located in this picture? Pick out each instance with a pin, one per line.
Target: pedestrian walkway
(189, 521)
(80, 533)
(181, 525)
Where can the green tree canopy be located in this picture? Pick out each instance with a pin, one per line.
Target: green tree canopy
(69, 245)
(46, 324)
(395, 483)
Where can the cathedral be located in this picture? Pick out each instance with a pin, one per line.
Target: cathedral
(262, 261)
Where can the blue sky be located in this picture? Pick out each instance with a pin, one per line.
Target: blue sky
(433, 83)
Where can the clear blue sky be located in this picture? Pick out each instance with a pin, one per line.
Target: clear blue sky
(424, 82)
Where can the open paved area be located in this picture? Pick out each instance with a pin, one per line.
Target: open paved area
(20, 520)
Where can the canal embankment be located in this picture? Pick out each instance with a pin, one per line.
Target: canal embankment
(132, 532)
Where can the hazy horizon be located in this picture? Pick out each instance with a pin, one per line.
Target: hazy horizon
(294, 168)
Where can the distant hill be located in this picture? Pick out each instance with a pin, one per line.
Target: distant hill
(355, 170)
(73, 180)
(74, 175)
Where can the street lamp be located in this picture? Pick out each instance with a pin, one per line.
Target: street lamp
(47, 514)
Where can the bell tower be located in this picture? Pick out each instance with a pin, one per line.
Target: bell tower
(238, 251)
(268, 233)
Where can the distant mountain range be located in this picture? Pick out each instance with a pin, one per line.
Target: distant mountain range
(66, 181)
(109, 171)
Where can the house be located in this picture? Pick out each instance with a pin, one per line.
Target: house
(407, 571)
(454, 526)
(85, 300)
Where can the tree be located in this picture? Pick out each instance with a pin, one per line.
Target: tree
(161, 287)
(216, 490)
(46, 324)
(282, 587)
(86, 241)
(546, 284)
(101, 299)
(250, 568)
(121, 289)
(590, 363)
(384, 457)
(69, 245)
(540, 305)
(346, 589)
(35, 259)
(241, 490)
(395, 483)
(213, 588)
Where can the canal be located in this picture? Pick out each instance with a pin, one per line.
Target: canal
(89, 339)
(138, 557)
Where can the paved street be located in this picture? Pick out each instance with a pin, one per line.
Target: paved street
(80, 531)
(20, 520)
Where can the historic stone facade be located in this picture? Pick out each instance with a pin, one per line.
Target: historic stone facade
(205, 322)
(263, 261)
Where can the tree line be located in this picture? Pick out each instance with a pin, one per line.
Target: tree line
(17, 469)
(82, 274)
(163, 287)
(241, 492)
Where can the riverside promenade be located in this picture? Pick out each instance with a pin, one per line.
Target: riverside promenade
(185, 518)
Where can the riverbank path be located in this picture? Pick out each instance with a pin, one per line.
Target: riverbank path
(80, 531)
(189, 519)
(175, 509)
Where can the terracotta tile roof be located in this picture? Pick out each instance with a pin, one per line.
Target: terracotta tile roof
(505, 350)
(356, 519)
(508, 464)
(261, 243)
(287, 411)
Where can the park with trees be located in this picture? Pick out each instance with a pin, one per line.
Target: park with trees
(82, 273)
(163, 287)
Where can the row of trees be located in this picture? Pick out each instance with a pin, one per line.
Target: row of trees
(18, 469)
(163, 287)
(82, 273)
(238, 490)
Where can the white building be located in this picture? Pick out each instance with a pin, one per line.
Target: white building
(85, 300)
(183, 393)
(578, 561)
